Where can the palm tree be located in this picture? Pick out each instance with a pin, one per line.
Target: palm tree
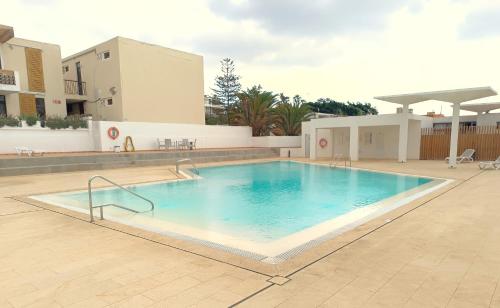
(255, 110)
(289, 116)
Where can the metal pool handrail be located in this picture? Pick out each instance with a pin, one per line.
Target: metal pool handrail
(186, 160)
(91, 207)
(333, 163)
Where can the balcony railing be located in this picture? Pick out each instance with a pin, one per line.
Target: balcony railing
(7, 77)
(75, 87)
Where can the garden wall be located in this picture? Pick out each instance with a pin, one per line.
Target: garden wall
(144, 136)
(45, 139)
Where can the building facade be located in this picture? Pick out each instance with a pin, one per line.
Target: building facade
(126, 80)
(30, 81)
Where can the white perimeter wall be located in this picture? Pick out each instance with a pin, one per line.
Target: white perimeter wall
(45, 139)
(144, 136)
(276, 142)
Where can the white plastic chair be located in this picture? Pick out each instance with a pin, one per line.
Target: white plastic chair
(466, 156)
(492, 164)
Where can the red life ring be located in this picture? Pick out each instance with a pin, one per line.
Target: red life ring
(323, 143)
(113, 132)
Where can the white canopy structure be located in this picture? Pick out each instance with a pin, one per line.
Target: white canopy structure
(456, 97)
(480, 108)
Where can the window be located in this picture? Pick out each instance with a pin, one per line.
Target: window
(104, 55)
(441, 125)
(65, 68)
(108, 101)
(40, 107)
(3, 106)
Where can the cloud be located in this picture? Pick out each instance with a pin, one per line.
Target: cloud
(481, 24)
(264, 49)
(312, 17)
(242, 47)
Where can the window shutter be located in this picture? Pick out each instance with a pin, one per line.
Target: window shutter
(27, 104)
(34, 67)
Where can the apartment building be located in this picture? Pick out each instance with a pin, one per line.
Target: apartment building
(484, 116)
(127, 80)
(30, 78)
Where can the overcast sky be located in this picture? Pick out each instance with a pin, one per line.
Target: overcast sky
(342, 49)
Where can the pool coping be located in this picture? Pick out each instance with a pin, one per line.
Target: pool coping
(289, 264)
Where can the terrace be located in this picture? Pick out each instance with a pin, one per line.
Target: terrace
(438, 250)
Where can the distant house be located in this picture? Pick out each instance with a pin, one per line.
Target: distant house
(118, 80)
(30, 78)
(127, 80)
(484, 116)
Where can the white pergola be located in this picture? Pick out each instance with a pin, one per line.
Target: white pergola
(481, 108)
(456, 97)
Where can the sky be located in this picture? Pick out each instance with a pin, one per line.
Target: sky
(342, 49)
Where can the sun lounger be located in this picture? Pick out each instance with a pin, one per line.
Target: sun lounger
(493, 164)
(466, 156)
(27, 151)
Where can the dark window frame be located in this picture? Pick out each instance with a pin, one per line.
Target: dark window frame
(40, 107)
(3, 102)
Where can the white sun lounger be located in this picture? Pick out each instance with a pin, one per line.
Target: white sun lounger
(466, 156)
(27, 151)
(493, 164)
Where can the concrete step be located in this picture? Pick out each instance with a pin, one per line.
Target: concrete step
(37, 165)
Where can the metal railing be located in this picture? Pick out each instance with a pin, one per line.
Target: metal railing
(75, 87)
(92, 207)
(7, 77)
(339, 157)
(177, 163)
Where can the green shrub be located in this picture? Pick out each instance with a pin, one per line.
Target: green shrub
(2, 121)
(9, 121)
(56, 122)
(30, 119)
(76, 122)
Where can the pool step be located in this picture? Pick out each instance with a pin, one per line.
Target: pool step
(54, 164)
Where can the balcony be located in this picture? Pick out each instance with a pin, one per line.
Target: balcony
(9, 82)
(6, 33)
(75, 88)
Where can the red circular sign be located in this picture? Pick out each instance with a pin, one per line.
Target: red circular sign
(323, 142)
(113, 132)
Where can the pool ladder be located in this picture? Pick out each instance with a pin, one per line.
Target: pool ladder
(100, 207)
(177, 164)
(338, 157)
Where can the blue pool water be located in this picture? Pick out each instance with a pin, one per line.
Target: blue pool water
(264, 201)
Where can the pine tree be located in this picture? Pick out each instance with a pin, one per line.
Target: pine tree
(227, 85)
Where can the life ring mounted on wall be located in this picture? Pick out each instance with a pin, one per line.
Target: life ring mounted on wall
(323, 143)
(113, 133)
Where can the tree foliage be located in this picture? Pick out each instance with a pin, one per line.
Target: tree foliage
(255, 110)
(290, 115)
(327, 105)
(227, 85)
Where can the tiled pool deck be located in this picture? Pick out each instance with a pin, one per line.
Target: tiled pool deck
(441, 250)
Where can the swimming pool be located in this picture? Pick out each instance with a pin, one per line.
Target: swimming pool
(263, 208)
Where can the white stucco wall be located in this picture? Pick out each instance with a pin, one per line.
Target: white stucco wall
(45, 139)
(144, 136)
(341, 141)
(378, 136)
(276, 142)
(327, 150)
(489, 119)
(378, 142)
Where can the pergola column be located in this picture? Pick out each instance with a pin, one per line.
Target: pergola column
(354, 142)
(455, 123)
(312, 142)
(403, 139)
